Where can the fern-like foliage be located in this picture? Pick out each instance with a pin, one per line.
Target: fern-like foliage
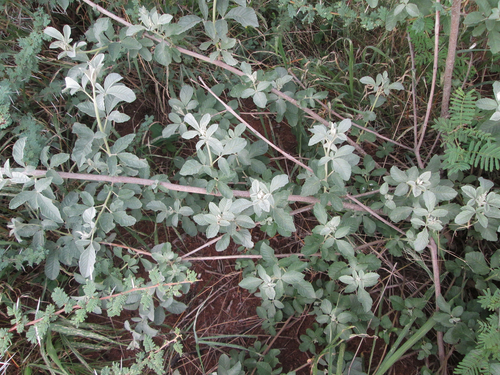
(487, 351)
(474, 363)
(465, 145)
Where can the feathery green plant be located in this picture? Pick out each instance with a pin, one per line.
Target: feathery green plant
(465, 145)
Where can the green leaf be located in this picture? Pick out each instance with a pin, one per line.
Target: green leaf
(87, 261)
(244, 15)
(260, 99)
(412, 10)
(42, 184)
(225, 190)
(345, 248)
(245, 221)
(444, 193)
(400, 213)
(464, 216)
(52, 265)
(223, 243)
(494, 41)
(58, 159)
(121, 92)
(21, 198)
(292, 277)
(305, 289)
(123, 219)
(278, 182)
(368, 81)
(187, 22)
(422, 240)
(190, 167)
(477, 263)
(342, 167)
(398, 175)
(473, 18)
(267, 253)
(162, 54)
(131, 160)
(234, 146)
(487, 104)
(122, 143)
(203, 8)
(48, 209)
(283, 219)
(311, 186)
(106, 222)
(365, 299)
(60, 297)
(250, 283)
(443, 305)
(320, 213)
(369, 225)
(131, 44)
(83, 145)
(18, 151)
(134, 29)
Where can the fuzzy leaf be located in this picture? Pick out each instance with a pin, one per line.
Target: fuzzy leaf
(58, 159)
(52, 266)
(132, 160)
(305, 289)
(123, 219)
(477, 263)
(422, 240)
(250, 283)
(320, 213)
(48, 209)
(292, 277)
(190, 167)
(87, 261)
(311, 186)
(400, 213)
(260, 99)
(187, 22)
(244, 15)
(18, 151)
(283, 219)
(278, 182)
(162, 54)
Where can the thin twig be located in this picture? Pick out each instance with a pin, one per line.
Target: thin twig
(413, 91)
(340, 117)
(211, 242)
(230, 110)
(368, 209)
(239, 256)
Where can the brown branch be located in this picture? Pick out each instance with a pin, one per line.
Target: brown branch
(450, 59)
(175, 187)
